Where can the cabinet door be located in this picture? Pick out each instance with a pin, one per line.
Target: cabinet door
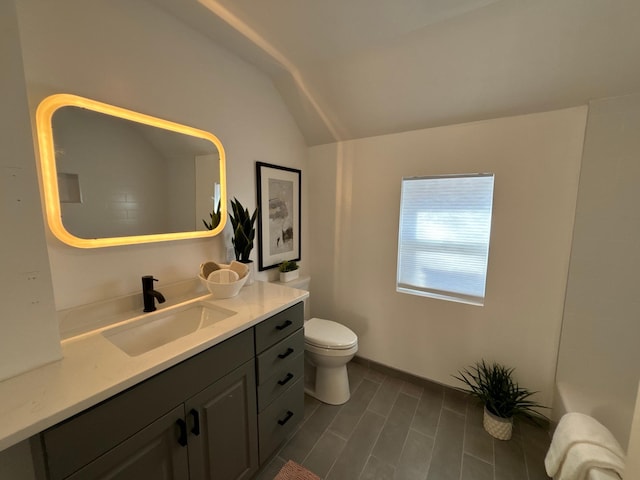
(154, 452)
(222, 424)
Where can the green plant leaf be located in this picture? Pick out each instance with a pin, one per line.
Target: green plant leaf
(243, 230)
(288, 266)
(214, 217)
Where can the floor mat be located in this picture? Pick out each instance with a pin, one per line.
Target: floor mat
(292, 471)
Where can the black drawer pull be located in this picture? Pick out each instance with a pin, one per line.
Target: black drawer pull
(287, 353)
(182, 426)
(284, 325)
(196, 421)
(286, 418)
(285, 379)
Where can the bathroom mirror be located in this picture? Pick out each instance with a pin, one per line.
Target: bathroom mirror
(112, 176)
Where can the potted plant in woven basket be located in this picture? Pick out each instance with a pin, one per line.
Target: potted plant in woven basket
(502, 397)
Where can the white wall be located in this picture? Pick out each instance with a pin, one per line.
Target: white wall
(28, 331)
(599, 359)
(133, 55)
(355, 203)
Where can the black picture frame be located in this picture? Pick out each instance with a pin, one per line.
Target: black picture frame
(279, 191)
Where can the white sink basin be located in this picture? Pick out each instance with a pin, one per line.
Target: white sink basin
(156, 329)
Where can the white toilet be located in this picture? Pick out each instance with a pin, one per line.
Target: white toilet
(328, 346)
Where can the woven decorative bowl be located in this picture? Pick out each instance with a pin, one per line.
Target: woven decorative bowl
(223, 290)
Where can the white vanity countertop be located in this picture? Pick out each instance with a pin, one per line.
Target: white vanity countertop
(93, 369)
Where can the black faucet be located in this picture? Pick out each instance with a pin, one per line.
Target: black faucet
(149, 294)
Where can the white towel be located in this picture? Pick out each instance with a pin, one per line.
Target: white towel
(583, 457)
(601, 474)
(575, 428)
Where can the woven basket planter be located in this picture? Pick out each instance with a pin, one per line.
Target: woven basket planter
(497, 427)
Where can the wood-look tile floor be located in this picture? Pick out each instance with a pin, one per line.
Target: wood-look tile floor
(397, 427)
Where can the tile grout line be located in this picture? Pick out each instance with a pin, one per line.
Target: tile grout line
(406, 438)
(435, 436)
(464, 436)
(478, 458)
(372, 445)
(365, 410)
(386, 417)
(524, 455)
(322, 434)
(336, 459)
(493, 449)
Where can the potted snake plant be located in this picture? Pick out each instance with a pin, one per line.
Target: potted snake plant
(244, 233)
(502, 397)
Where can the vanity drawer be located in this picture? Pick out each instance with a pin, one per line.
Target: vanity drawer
(273, 359)
(279, 326)
(280, 418)
(280, 381)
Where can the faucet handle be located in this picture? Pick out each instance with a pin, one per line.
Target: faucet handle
(147, 281)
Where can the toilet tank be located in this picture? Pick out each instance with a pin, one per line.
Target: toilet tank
(302, 283)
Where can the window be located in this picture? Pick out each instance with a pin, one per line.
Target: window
(443, 244)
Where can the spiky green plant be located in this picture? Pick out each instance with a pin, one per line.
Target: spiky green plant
(244, 231)
(494, 386)
(288, 266)
(215, 217)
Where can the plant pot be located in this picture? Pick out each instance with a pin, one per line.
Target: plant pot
(288, 276)
(497, 427)
(252, 272)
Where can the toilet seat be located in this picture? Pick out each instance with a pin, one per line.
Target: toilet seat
(329, 335)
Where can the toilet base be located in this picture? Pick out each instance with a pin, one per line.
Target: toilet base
(330, 385)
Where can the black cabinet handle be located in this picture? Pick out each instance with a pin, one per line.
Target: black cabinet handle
(285, 379)
(284, 325)
(182, 426)
(196, 421)
(286, 418)
(287, 353)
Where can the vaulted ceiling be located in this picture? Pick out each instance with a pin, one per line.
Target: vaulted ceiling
(357, 68)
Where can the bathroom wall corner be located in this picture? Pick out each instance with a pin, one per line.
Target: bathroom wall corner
(28, 324)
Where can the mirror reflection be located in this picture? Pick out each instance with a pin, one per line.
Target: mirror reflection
(121, 178)
(113, 177)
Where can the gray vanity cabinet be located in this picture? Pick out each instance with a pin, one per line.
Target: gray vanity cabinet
(217, 415)
(152, 426)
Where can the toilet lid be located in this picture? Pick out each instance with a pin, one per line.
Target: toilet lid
(328, 334)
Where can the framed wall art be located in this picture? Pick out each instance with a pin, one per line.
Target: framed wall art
(279, 216)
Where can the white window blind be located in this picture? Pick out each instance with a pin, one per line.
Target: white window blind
(443, 244)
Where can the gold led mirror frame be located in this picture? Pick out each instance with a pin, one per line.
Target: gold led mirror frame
(50, 174)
